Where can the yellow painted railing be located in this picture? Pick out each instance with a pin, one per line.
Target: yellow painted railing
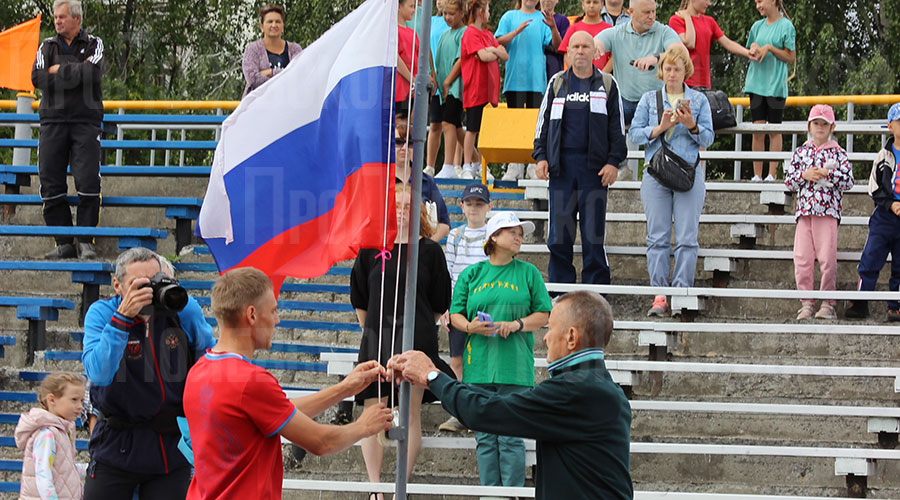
(148, 105)
(834, 100)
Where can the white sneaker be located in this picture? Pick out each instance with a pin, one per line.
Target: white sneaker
(769, 178)
(429, 170)
(448, 172)
(452, 425)
(756, 178)
(468, 172)
(514, 172)
(531, 171)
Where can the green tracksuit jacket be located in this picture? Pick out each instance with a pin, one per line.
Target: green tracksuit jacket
(579, 418)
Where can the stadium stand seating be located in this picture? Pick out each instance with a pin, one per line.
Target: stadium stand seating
(742, 404)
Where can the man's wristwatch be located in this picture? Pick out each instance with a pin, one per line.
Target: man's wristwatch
(521, 325)
(432, 375)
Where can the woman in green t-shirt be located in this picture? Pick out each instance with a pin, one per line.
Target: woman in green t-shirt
(499, 354)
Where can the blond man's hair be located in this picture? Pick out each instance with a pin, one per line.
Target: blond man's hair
(236, 290)
(55, 383)
(674, 55)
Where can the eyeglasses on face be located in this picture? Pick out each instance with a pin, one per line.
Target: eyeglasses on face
(399, 141)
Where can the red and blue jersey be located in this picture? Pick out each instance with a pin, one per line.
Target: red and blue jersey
(235, 411)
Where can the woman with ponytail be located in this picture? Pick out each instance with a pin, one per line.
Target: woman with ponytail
(771, 42)
(697, 32)
(479, 56)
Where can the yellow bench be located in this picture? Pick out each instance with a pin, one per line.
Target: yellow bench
(507, 136)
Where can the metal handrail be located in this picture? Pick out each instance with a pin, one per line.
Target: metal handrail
(113, 105)
(850, 127)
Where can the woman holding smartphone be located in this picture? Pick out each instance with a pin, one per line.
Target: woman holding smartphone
(499, 302)
(686, 126)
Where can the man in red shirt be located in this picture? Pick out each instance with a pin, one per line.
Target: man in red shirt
(237, 412)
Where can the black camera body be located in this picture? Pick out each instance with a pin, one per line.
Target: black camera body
(168, 296)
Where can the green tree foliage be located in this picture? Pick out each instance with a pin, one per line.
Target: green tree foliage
(191, 49)
(179, 49)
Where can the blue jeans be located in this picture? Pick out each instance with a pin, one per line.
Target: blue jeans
(577, 191)
(883, 239)
(501, 459)
(661, 204)
(628, 109)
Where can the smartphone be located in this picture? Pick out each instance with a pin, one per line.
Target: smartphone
(682, 103)
(484, 317)
(651, 68)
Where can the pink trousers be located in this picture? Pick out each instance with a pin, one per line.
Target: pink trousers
(815, 239)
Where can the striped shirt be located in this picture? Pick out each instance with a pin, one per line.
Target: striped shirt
(464, 249)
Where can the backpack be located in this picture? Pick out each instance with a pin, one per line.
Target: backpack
(558, 81)
(719, 107)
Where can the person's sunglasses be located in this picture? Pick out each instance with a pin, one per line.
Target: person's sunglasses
(399, 141)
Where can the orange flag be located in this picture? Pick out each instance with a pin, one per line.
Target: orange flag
(18, 48)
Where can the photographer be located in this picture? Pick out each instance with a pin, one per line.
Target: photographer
(138, 347)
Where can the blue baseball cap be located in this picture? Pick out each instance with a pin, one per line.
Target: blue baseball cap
(476, 190)
(894, 112)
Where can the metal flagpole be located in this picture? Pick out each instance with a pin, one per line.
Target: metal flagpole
(417, 132)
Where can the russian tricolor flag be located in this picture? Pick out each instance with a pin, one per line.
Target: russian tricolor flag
(302, 176)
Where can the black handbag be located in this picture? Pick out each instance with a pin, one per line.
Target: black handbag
(668, 168)
(719, 107)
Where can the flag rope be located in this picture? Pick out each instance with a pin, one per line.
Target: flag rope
(406, 187)
(387, 188)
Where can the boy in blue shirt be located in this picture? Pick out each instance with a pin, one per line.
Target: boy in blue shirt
(884, 224)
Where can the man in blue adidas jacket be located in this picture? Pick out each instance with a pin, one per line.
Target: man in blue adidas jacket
(579, 417)
(137, 365)
(579, 142)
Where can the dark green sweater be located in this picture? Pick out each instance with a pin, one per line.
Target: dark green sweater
(580, 419)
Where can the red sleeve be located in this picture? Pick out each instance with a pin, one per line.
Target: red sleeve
(716, 31)
(677, 24)
(266, 403)
(469, 44)
(564, 44)
(492, 38)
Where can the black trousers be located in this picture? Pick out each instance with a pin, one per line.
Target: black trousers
(75, 145)
(515, 99)
(108, 483)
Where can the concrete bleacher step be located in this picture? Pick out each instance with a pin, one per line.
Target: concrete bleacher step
(325, 301)
(713, 473)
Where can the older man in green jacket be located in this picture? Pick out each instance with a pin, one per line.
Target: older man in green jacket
(579, 417)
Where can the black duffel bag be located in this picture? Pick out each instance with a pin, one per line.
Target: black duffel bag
(719, 107)
(665, 166)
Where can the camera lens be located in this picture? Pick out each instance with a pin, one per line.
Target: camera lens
(173, 297)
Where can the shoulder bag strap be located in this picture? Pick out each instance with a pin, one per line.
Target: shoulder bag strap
(659, 107)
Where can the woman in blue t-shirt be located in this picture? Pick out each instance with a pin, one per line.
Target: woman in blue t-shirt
(771, 42)
(525, 31)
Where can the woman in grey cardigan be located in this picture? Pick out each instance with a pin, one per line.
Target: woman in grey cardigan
(265, 57)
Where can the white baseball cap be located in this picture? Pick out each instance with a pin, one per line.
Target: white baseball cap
(503, 220)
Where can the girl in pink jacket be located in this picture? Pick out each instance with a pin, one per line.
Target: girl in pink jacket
(819, 172)
(46, 435)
